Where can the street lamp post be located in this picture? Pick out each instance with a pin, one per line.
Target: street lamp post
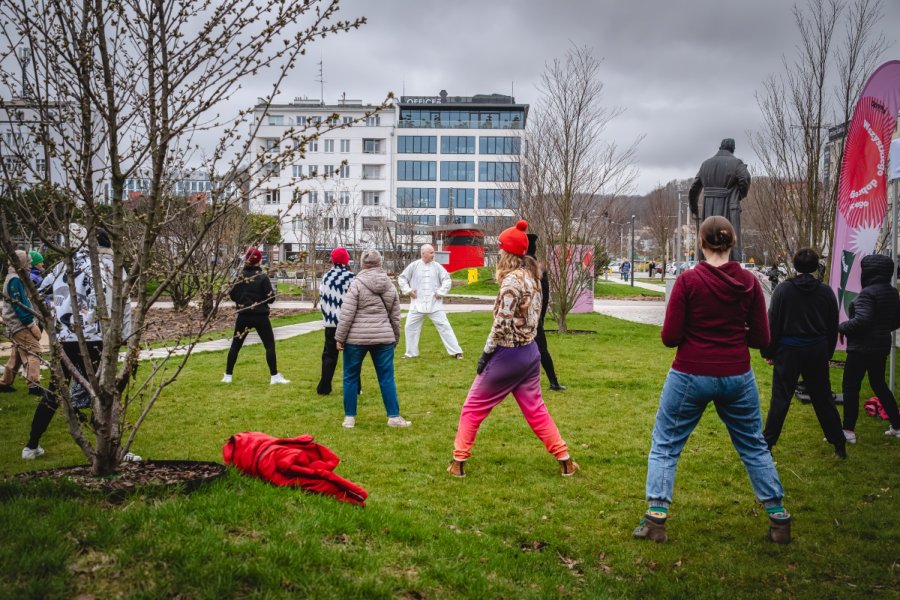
(632, 251)
(678, 246)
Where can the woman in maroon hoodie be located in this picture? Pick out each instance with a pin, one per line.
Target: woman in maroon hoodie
(716, 312)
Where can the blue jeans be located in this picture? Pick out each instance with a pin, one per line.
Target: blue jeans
(682, 402)
(383, 358)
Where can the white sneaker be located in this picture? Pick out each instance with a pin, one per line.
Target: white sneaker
(892, 432)
(349, 422)
(131, 457)
(278, 378)
(32, 453)
(398, 421)
(849, 436)
(226, 378)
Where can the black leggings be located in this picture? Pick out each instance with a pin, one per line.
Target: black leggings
(263, 328)
(46, 408)
(546, 360)
(856, 367)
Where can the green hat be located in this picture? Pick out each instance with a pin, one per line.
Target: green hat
(36, 257)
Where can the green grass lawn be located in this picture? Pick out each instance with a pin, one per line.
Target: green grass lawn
(218, 334)
(513, 528)
(603, 289)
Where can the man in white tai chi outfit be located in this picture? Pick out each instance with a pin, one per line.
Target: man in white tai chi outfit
(426, 282)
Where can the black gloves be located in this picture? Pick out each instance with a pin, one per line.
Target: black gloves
(483, 361)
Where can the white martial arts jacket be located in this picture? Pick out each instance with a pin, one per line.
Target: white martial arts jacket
(427, 280)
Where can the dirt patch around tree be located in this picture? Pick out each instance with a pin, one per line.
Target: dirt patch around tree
(163, 324)
(185, 475)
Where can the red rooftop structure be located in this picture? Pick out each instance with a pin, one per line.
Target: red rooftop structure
(465, 243)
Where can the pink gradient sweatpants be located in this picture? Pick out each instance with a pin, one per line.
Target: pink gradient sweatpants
(515, 371)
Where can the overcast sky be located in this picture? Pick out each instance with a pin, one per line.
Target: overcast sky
(685, 71)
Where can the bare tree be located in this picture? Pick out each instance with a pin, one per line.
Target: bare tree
(116, 88)
(661, 218)
(568, 168)
(817, 90)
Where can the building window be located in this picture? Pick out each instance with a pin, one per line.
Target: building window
(416, 197)
(345, 223)
(276, 119)
(496, 221)
(457, 219)
(462, 198)
(270, 170)
(328, 223)
(273, 196)
(271, 144)
(312, 146)
(371, 146)
(297, 223)
(371, 198)
(345, 146)
(329, 197)
(313, 170)
(373, 120)
(498, 171)
(315, 120)
(457, 170)
(417, 144)
(497, 199)
(329, 170)
(371, 172)
(301, 121)
(332, 121)
(458, 144)
(297, 170)
(344, 171)
(329, 145)
(313, 197)
(372, 223)
(345, 198)
(348, 120)
(40, 165)
(416, 170)
(498, 145)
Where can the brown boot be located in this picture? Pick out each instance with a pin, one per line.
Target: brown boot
(780, 529)
(568, 467)
(457, 468)
(651, 528)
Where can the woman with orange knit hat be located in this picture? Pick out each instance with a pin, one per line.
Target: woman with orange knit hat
(511, 362)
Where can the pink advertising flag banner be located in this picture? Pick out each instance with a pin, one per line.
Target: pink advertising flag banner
(862, 191)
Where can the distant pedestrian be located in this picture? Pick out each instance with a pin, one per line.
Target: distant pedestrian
(651, 269)
(873, 315)
(252, 294)
(803, 325)
(541, 337)
(427, 282)
(37, 267)
(369, 323)
(715, 312)
(334, 285)
(624, 270)
(511, 361)
(21, 329)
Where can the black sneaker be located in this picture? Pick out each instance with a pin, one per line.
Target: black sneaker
(7, 389)
(556, 387)
(35, 390)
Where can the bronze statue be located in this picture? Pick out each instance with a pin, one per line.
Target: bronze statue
(725, 181)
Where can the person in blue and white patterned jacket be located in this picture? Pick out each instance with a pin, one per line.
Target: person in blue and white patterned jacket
(331, 295)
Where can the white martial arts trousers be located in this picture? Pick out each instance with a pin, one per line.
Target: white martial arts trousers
(413, 331)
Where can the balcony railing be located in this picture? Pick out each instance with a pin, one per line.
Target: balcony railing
(424, 124)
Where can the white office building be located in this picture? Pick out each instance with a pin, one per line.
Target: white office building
(387, 178)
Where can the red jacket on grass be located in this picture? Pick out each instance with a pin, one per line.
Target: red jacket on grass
(295, 461)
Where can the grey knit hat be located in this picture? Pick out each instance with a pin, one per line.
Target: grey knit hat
(371, 258)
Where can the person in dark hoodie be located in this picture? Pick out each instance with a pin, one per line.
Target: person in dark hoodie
(252, 295)
(803, 326)
(715, 311)
(874, 314)
(541, 337)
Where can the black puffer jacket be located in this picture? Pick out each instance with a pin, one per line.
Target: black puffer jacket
(253, 293)
(876, 311)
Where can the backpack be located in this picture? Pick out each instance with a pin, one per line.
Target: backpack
(874, 408)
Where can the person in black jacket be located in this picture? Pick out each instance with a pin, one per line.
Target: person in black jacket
(252, 295)
(803, 324)
(541, 338)
(873, 315)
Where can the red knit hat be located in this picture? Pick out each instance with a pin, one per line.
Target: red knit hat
(340, 256)
(253, 256)
(514, 240)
